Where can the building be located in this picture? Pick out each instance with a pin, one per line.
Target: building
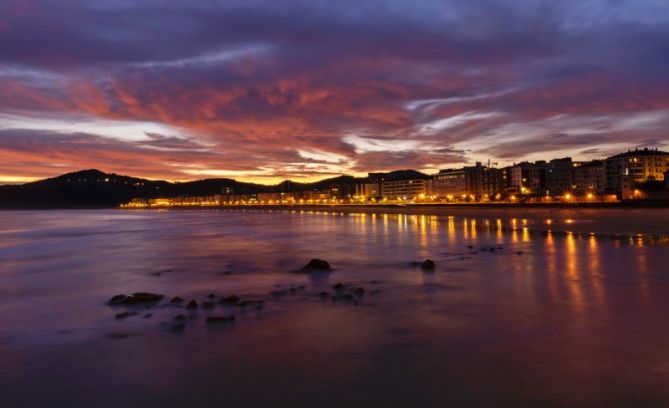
(406, 189)
(275, 198)
(589, 178)
(368, 190)
(560, 176)
(449, 183)
(641, 165)
(527, 178)
(483, 182)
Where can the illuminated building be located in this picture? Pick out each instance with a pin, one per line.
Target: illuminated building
(589, 177)
(640, 165)
(449, 183)
(527, 178)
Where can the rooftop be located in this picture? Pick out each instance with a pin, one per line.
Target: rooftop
(640, 152)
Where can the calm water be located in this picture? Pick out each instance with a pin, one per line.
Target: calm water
(573, 320)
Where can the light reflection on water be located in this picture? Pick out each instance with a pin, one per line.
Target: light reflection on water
(514, 313)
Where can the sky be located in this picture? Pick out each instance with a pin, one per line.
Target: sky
(285, 89)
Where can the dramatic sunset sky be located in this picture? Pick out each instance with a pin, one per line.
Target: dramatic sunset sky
(267, 90)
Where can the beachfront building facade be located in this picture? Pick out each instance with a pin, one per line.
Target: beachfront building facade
(527, 178)
(406, 189)
(560, 176)
(589, 178)
(484, 183)
(368, 191)
(640, 165)
(449, 184)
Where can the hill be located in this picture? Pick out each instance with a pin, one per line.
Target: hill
(97, 189)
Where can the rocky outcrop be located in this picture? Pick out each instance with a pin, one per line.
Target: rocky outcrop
(317, 265)
(138, 298)
(220, 319)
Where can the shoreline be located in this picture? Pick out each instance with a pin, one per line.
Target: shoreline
(620, 222)
(615, 220)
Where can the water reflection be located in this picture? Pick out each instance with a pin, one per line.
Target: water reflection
(511, 304)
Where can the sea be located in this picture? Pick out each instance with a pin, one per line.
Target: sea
(524, 307)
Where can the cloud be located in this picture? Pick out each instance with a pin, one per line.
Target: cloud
(306, 89)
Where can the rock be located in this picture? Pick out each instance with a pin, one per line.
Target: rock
(176, 300)
(427, 265)
(211, 296)
(257, 303)
(117, 300)
(519, 252)
(339, 286)
(124, 315)
(221, 319)
(178, 328)
(229, 300)
(324, 294)
(317, 265)
(192, 304)
(117, 335)
(138, 298)
(208, 305)
(180, 318)
(359, 291)
(279, 292)
(148, 315)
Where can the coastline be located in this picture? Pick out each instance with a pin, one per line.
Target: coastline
(614, 221)
(621, 220)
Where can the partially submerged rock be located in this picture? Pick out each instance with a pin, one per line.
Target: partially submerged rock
(220, 319)
(176, 300)
(192, 304)
(124, 315)
(317, 265)
(138, 298)
(427, 265)
(359, 291)
(178, 328)
(294, 288)
(229, 300)
(208, 305)
(257, 303)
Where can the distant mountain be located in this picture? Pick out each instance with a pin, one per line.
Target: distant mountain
(97, 189)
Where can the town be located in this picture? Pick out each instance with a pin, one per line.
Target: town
(640, 174)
